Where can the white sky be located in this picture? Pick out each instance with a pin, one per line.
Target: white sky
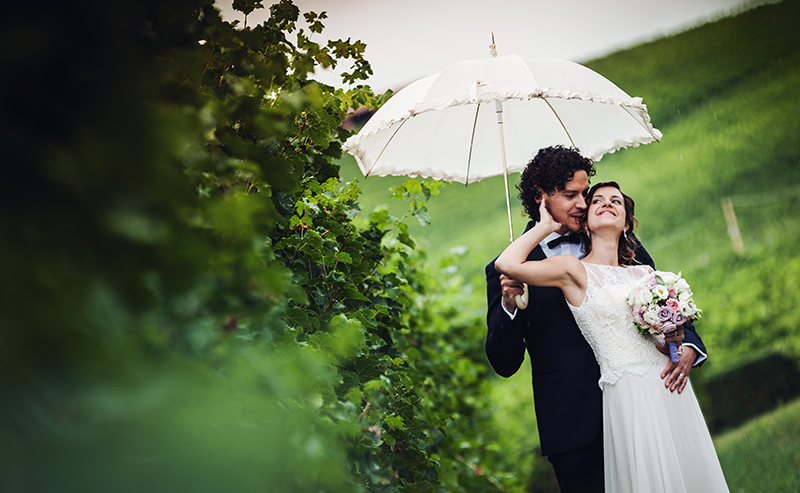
(410, 39)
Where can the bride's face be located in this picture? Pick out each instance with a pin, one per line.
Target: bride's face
(606, 210)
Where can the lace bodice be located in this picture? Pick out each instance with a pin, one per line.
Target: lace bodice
(606, 322)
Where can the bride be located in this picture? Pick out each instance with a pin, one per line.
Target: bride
(653, 440)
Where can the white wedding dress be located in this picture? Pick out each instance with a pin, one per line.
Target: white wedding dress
(654, 440)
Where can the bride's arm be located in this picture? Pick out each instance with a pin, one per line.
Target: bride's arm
(514, 256)
(560, 271)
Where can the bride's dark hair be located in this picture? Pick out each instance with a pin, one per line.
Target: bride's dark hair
(627, 246)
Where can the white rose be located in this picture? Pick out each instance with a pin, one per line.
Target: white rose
(682, 285)
(662, 291)
(684, 296)
(651, 317)
(685, 309)
(644, 297)
(669, 278)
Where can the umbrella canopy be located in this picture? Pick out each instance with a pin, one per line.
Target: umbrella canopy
(445, 126)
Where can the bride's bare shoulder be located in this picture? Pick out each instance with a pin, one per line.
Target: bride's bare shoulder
(568, 262)
(573, 266)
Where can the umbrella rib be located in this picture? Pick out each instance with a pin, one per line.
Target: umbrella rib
(561, 122)
(642, 124)
(384, 147)
(471, 142)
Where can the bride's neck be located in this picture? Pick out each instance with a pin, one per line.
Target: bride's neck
(604, 251)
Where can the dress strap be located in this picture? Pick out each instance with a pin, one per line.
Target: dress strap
(594, 275)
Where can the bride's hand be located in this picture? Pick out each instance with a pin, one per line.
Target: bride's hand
(545, 217)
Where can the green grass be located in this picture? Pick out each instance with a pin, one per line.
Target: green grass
(763, 455)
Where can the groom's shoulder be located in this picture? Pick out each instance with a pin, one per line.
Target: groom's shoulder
(528, 226)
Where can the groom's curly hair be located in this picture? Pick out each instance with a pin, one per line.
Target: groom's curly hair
(549, 171)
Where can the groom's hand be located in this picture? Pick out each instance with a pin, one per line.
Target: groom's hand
(675, 336)
(676, 375)
(510, 288)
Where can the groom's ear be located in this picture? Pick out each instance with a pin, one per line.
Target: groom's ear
(539, 193)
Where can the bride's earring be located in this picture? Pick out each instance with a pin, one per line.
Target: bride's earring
(625, 233)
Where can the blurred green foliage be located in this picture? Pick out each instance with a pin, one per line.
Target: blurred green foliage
(189, 303)
(754, 385)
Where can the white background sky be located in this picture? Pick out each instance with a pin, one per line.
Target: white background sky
(410, 39)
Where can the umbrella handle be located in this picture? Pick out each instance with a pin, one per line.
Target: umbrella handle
(522, 300)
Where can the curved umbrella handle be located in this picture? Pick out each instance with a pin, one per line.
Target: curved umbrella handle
(522, 300)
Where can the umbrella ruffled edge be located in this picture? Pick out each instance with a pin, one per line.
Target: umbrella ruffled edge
(352, 144)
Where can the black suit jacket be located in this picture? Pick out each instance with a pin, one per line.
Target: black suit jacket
(567, 397)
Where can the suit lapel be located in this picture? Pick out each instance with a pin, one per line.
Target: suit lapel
(537, 254)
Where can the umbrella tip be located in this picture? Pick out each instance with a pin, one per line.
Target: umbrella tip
(492, 49)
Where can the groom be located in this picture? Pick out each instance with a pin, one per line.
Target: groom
(567, 397)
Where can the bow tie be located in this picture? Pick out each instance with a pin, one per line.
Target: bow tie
(564, 239)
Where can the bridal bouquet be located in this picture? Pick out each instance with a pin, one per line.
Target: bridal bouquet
(660, 302)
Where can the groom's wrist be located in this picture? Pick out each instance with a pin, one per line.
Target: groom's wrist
(700, 356)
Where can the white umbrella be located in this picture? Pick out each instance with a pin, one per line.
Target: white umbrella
(446, 126)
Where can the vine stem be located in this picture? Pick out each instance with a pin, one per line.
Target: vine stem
(477, 470)
(365, 411)
(210, 59)
(405, 216)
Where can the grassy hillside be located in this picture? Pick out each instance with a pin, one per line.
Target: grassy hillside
(764, 454)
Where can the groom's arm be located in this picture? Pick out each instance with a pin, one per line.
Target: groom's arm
(505, 344)
(692, 339)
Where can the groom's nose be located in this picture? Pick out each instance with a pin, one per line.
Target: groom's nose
(581, 203)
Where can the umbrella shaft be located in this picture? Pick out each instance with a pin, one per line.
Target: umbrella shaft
(499, 109)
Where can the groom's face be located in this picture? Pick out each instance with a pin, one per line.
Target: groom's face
(568, 206)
